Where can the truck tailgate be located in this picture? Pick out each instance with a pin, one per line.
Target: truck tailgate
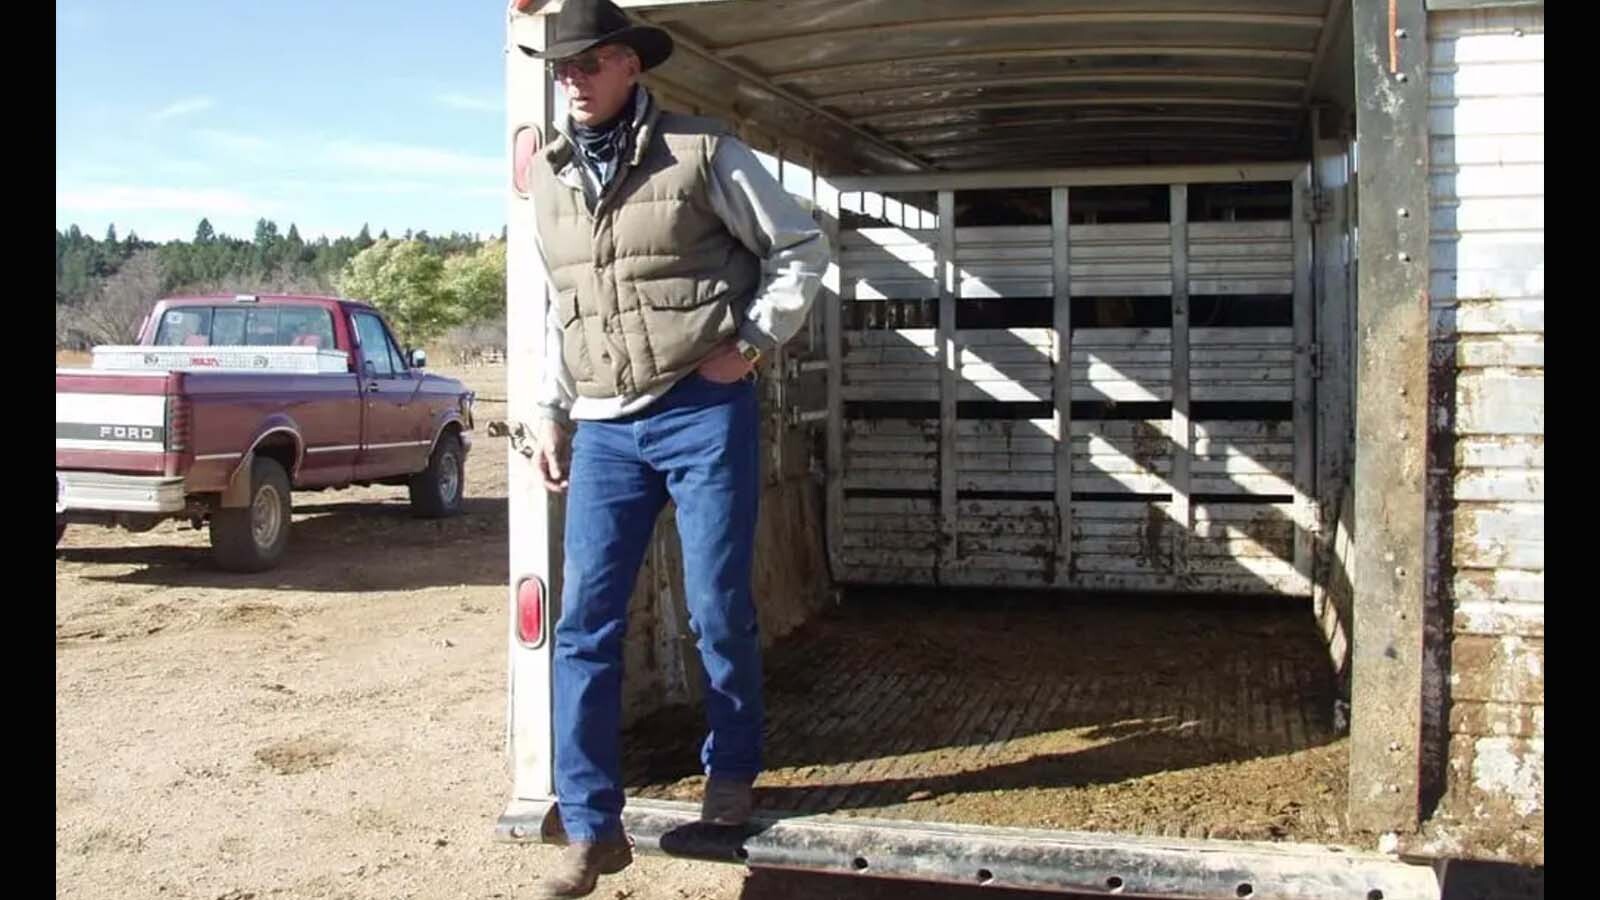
(112, 421)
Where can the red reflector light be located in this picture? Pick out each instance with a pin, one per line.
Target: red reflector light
(524, 144)
(530, 612)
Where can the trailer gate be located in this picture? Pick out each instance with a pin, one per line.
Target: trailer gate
(1148, 448)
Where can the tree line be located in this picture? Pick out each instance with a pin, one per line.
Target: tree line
(433, 288)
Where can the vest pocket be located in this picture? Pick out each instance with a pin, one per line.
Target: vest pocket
(574, 344)
(680, 293)
(567, 306)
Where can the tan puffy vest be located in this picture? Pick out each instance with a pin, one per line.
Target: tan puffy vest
(652, 281)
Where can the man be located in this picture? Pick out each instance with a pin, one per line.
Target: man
(676, 262)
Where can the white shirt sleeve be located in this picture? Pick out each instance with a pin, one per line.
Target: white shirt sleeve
(793, 249)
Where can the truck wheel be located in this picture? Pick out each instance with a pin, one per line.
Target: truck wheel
(436, 491)
(252, 538)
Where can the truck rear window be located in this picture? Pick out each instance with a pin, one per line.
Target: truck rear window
(223, 326)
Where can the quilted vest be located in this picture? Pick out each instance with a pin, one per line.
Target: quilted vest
(650, 281)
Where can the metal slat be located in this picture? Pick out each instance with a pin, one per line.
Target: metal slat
(1061, 249)
(1182, 434)
(949, 291)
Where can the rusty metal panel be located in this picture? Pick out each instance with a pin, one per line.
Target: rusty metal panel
(1487, 492)
(1392, 126)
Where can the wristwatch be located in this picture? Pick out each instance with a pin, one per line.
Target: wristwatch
(750, 352)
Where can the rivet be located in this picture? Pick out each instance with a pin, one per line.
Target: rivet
(1402, 77)
(1399, 32)
(1517, 32)
(1399, 572)
(1405, 257)
(518, 832)
(1405, 213)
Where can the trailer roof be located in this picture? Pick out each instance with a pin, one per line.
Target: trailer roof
(952, 85)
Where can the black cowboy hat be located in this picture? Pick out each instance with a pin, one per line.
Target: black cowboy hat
(582, 24)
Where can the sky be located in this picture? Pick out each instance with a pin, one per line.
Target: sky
(327, 114)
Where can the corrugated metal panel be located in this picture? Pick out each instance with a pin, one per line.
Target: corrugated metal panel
(1003, 262)
(884, 85)
(1005, 523)
(1241, 258)
(1486, 121)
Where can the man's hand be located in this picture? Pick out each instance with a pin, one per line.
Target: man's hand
(555, 454)
(725, 365)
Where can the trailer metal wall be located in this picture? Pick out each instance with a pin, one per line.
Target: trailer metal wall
(963, 462)
(1486, 468)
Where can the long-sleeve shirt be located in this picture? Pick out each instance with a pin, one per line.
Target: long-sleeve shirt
(765, 218)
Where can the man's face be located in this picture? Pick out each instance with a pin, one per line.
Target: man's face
(598, 82)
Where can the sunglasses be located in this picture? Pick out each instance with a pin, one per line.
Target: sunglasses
(589, 63)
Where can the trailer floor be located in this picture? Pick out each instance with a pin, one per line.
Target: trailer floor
(1178, 718)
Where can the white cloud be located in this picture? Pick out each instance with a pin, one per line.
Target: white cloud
(139, 198)
(89, 171)
(468, 102)
(235, 140)
(412, 160)
(185, 107)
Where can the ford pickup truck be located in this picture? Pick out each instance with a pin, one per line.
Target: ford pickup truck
(228, 403)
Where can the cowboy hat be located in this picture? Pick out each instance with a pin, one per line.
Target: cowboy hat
(582, 24)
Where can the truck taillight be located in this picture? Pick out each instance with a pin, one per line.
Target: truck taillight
(530, 612)
(180, 414)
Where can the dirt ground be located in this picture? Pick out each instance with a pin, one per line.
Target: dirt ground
(331, 729)
(334, 729)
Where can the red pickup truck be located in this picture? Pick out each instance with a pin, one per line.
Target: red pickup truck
(228, 403)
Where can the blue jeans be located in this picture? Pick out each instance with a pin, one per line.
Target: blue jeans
(700, 445)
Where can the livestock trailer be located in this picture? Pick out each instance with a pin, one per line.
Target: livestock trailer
(1154, 502)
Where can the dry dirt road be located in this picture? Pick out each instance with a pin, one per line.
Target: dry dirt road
(331, 729)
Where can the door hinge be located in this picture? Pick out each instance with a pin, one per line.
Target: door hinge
(1313, 354)
(1316, 205)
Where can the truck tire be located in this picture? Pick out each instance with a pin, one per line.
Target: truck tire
(253, 538)
(437, 490)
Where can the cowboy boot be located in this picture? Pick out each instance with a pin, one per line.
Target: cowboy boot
(580, 866)
(727, 801)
